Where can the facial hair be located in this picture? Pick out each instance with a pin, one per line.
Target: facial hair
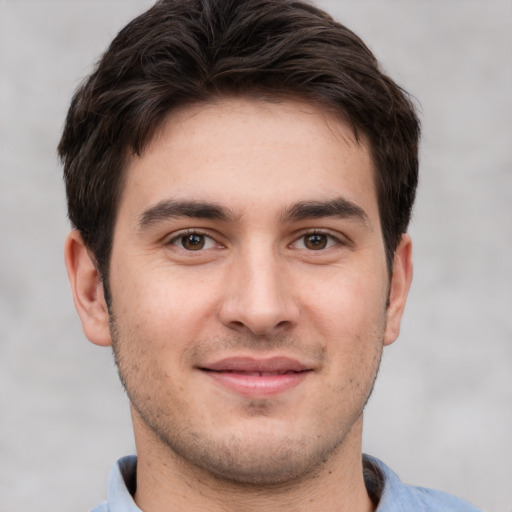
(263, 458)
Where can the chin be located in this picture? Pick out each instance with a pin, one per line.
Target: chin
(266, 459)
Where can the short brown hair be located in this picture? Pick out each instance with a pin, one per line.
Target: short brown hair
(186, 51)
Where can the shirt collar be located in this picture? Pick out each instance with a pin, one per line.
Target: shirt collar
(384, 487)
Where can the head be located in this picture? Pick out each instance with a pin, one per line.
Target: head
(190, 51)
(241, 176)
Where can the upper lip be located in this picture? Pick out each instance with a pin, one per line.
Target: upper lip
(275, 365)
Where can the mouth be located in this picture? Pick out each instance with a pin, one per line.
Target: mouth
(257, 377)
(254, 374)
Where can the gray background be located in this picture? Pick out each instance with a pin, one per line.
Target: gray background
(441, 414)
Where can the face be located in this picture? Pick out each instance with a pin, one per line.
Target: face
(250, 290)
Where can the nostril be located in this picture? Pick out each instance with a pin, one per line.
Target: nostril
(259, 314)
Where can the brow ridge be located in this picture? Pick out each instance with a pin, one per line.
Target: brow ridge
(302, 210)
(338, 207)
(172, 208)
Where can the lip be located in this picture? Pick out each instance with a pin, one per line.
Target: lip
(257, 377)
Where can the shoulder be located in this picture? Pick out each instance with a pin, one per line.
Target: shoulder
(399, 497)
(102, 507)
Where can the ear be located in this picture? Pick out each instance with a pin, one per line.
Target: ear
(399, 288)
(87, 290)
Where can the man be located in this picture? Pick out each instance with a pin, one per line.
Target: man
(240, 177)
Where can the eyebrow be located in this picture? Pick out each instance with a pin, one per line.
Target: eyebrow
(339, 207)
(303, 210)
(169, 209)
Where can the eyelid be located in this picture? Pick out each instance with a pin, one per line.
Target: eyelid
(337, 237)
(177, 235)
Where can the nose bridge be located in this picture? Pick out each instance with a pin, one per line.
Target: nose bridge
(259, 296)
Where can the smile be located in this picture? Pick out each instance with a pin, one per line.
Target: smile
(260, 373)
(257, 378)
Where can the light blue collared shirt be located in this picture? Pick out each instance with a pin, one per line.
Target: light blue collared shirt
(394, 495)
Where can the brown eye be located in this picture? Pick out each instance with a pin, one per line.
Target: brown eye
(193, 242)
(315, 241)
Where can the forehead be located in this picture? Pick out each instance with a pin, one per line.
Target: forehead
(252, 152)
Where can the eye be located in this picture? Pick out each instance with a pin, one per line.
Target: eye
(193, 241)
(316, 241)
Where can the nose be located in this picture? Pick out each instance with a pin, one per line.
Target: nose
(258, 297)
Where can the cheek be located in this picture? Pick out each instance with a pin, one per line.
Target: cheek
(163, 308)
(349, 316)
(350, 303)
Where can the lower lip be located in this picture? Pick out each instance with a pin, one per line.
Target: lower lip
(257, 385)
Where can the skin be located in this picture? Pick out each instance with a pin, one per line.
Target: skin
(263, 278)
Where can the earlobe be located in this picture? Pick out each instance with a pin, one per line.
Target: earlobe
(87, 290)
(399, 288)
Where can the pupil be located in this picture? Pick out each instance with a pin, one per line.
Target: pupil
(316, 242)
(193, 242)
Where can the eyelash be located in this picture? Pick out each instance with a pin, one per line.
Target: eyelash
(181, 236)
(333, 238)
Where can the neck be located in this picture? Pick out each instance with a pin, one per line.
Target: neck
(167, 483)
